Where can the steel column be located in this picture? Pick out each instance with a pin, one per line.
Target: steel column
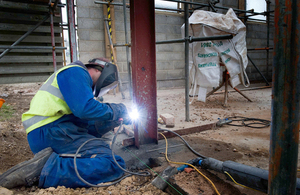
(72, 30)
(142, 24)
(285, 99)
(187, 64)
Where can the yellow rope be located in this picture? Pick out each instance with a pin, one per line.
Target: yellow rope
(238, 183)
(183, 163)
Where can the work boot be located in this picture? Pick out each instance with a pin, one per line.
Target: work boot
(26, 173)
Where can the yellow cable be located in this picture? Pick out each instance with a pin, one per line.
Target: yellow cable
(183, 163)
(238, 183)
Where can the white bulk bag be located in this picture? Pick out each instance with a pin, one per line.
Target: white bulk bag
(206, 56)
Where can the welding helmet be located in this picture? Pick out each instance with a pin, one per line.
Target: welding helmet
(109, 76)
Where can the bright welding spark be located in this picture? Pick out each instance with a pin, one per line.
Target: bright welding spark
(134, 114)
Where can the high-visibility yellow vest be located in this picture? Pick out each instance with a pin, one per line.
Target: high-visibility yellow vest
(47, 105)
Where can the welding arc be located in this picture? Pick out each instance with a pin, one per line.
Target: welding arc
(184, 142)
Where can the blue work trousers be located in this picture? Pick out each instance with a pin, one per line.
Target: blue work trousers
(96, 164)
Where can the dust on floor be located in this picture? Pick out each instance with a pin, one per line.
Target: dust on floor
(240, 144)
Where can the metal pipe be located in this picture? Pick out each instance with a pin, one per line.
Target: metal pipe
(211, 6)
(53, 40)
(263, 48)
(72, 30)
(127, 49)
(285, 99)
(258, 70)
(195, 39)
(190, 39)
(114, 57)
(31, 47)
(186, 55)
(25, 35)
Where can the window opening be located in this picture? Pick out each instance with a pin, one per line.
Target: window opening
(167, 5)
(258, 6)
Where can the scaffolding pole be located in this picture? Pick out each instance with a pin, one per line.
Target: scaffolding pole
(72, 30)
(188, 39)
(25, 35)
(53, 40)
(186, 60)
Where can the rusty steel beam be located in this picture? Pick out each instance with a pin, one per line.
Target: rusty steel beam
(285, 99)
(72, 30)
(142, 24)
(186, 131)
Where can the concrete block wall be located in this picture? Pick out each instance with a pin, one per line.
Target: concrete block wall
(169, 57)
(91, 41)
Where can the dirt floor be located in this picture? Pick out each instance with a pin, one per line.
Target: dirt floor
(241, 144)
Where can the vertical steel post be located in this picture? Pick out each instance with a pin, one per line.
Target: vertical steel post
(285, 99)
(72, 30)
(142, 24)
(53, 40)
(268, 35)
(127, 49)
(186, 53)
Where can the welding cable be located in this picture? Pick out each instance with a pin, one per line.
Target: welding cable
(144, 173)
(249, 122)
(200, 155)
(83, 180)
(183, 163)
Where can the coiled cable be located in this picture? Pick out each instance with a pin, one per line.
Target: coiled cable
(145, 173)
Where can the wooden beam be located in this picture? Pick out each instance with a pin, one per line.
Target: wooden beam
(187, 131)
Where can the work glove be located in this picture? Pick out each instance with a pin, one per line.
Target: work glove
(103, 127)
(120, 111)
